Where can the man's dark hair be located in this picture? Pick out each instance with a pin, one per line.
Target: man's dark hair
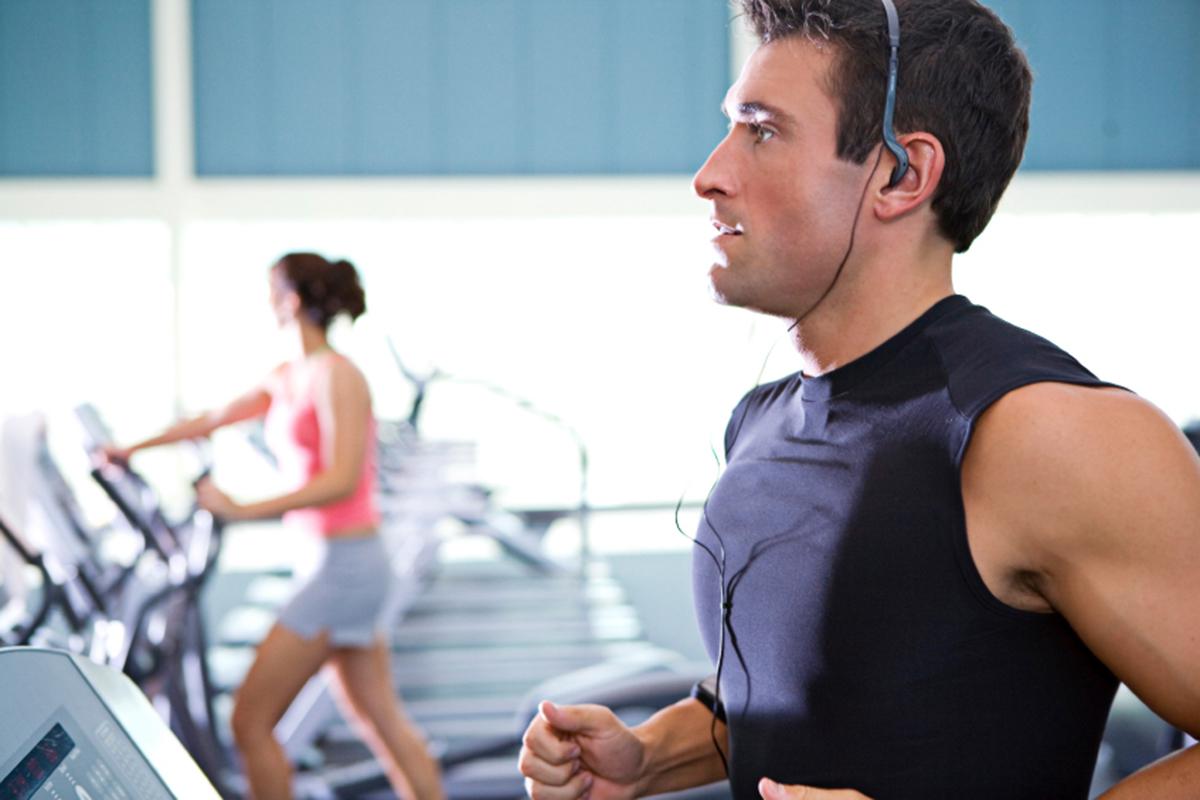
(962, 78)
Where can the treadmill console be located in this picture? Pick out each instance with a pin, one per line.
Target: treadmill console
(77, 731)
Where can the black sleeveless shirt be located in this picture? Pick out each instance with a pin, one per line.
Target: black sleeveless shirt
(863, 649)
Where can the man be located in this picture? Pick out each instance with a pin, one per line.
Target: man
(932, 555)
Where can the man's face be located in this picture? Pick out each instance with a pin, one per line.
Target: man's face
(783, 204)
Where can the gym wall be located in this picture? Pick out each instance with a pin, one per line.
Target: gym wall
(504, 87)
(561, 255)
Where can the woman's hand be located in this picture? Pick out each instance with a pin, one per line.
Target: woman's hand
(770, 790)
(111, 454)
(216, 502)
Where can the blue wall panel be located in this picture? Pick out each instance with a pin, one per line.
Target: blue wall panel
(570, 99)
(660, 59)
(309, 130)
(232, 55)
(362, 87)
(75, 88)
(315, 87)
(1116, 84)
(481, 99)
(1156, 89)
(392, 120)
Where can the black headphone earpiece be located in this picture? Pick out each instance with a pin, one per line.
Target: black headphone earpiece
(889, 108)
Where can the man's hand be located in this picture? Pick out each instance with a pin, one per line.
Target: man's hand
(770, 790)
(572, 752)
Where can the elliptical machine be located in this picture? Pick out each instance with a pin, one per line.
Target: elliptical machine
(52, 595)
(166, 647)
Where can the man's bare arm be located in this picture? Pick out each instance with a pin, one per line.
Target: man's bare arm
(679, 748)
(1098, 496)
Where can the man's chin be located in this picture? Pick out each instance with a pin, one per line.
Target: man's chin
(725, 290)
(718, 285)
(728, 296)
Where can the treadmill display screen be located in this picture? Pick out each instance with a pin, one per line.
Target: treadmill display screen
(23, 781)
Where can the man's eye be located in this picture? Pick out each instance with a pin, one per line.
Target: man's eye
(760, 133)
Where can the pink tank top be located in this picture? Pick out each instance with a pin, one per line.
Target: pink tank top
(293, 432)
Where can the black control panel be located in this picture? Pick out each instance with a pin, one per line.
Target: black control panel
(23, 781)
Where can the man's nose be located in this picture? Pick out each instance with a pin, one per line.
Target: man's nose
(716, 176)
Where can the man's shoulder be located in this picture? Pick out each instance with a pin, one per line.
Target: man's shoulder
(1050, 413)
(986, 357)
(976, 337)
(1081, 420)
(1061, 455)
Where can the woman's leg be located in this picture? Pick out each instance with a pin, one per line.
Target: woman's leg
(363, 686)
(284, 663)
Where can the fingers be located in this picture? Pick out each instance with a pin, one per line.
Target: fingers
(212, 499)
(549, 757)
(544, 744)
(551, 751)
(206, 492)
(770, 790)
(111, 455)
(585, 719)
(574, 789)
(550, 770)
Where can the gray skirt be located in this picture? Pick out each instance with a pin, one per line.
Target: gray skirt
(345, 593)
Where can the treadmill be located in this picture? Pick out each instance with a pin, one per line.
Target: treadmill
(77, 730)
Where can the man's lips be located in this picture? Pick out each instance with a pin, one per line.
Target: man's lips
(725, 229)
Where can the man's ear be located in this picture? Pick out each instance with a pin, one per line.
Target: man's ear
(926, 161)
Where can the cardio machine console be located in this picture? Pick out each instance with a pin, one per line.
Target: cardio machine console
(73, 730)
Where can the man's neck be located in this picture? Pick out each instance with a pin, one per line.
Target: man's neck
(850, 324)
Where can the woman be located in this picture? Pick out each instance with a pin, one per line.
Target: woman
(319, 423)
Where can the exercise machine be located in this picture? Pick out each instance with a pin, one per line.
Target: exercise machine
(74, 729)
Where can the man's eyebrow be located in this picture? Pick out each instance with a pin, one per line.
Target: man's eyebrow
(759, 109)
